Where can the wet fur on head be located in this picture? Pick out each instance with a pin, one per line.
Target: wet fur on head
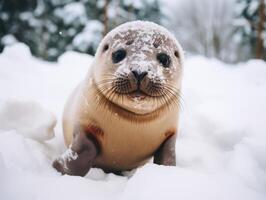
(139, 69)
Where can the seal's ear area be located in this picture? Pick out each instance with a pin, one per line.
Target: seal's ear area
(105, 47)
(176, 54)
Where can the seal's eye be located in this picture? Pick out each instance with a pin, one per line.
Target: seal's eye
(118, 55)
(164, 59)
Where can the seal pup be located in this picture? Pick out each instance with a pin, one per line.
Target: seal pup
(126, 110)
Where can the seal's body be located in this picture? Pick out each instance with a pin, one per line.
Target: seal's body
(126, 110)
(125, 143)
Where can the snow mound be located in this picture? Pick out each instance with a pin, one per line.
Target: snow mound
(192, 185)
(27, 118)
(18, 51)
(74, 59)
(8, 40)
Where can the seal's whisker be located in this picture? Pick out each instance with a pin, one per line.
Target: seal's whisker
(175, 95)
(178, 93)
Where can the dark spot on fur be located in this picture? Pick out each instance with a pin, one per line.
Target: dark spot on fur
(94, 130)
(157, 42)
(94, 134)
(170, 132)
(129, 42)
(105, 48)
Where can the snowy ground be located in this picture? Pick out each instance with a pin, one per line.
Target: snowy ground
(220, 150)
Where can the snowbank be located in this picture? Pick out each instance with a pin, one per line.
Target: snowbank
(220, 149)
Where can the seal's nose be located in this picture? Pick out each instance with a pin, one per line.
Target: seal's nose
(139, 75)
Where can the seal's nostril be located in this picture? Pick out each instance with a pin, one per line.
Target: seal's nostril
(135, 73)
(139, 75)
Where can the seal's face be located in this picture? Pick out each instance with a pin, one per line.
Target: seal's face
(139, 69)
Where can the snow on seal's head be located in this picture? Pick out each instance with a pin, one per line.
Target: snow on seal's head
(138, 66)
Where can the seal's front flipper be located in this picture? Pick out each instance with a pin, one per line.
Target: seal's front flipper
(78, 159)
(165, 155)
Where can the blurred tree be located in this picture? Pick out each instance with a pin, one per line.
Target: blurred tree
(251, 26)
(206, 27)
(9, 18)
(105, 16)
(51, 27)
(116, 12)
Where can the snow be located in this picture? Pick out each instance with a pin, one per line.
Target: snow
(8, 40)
(90, 35)
(68, 155)
(220, 149)
(72, 13)
(27, 117)
(253, 7)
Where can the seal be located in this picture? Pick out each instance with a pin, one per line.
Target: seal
(126, 110)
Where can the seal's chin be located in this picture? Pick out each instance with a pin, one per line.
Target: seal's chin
(136, 101)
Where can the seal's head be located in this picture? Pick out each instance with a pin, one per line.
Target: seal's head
(139, 67)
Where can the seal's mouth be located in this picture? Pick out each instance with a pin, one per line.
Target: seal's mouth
(137, 95)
